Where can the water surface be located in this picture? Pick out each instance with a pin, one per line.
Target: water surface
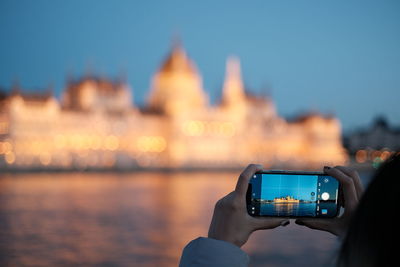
(135, 219)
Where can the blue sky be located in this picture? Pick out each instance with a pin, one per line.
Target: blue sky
(340, 57)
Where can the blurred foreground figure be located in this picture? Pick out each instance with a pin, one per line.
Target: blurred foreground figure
(374, 230)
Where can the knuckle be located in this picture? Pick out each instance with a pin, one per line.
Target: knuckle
(348, 181)
(229, 202)
(219, 203)
(242, 176)
(235, 205)
(255, 166)
(334, 170)
(353, 173)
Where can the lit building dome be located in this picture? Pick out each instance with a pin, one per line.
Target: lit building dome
(177, 86)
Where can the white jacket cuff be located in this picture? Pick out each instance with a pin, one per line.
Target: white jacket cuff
(211, 252)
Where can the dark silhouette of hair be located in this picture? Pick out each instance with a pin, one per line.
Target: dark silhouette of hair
(374, 231)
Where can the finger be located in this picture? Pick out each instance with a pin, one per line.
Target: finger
(356, 179)
(349, 190)
(269, 223)
(318, 224)
(244, 178)
(341, 198)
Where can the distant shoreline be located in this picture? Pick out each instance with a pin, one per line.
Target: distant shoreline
(232, 169)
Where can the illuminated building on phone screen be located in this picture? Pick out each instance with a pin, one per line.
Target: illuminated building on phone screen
(95, 126)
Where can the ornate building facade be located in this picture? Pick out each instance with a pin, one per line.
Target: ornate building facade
(95, 126)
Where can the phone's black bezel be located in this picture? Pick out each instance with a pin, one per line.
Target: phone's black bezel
(249, 191)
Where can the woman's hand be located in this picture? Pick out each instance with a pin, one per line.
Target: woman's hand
(352, 191)
(231, 222)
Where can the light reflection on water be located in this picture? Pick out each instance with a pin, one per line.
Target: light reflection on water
(135, 219)
(288, 209)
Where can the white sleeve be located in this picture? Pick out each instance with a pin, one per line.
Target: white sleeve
(211, 252)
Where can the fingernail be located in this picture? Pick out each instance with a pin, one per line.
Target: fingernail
(284, 223)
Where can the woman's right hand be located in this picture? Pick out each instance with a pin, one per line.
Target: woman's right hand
(352, 191)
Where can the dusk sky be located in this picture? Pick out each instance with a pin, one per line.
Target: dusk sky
(336, 57)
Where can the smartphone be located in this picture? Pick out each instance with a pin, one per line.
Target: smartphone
(293, 194)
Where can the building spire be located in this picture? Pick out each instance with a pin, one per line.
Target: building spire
(176, 42)
(233, 90)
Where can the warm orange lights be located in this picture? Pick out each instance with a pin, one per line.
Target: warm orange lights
(199, 128)
(111, 142)
(10, 157)
(385, 155)
(60, 141)
(86, 142)
(89, 149)
(365, 155)
(375, 154)
(151, 144)
(193, 128)
(45, 158)
(3, 127)
(5, 147)
(361, 156)
(227, 129)
(95, 142)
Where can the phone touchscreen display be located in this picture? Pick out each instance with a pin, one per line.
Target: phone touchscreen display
(293, 195)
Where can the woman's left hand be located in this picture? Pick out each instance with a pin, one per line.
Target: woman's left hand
(231, 222)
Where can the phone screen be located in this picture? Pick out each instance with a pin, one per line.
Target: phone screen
(293, 195)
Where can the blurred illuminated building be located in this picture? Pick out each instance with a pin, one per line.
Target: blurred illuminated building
(374, 144)
(95, 126)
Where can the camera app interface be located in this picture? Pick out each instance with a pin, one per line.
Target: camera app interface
(293, 195)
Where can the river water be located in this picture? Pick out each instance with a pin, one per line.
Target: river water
(131, 219)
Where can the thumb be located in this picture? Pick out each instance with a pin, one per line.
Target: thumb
(318, 224)
(269, 223)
